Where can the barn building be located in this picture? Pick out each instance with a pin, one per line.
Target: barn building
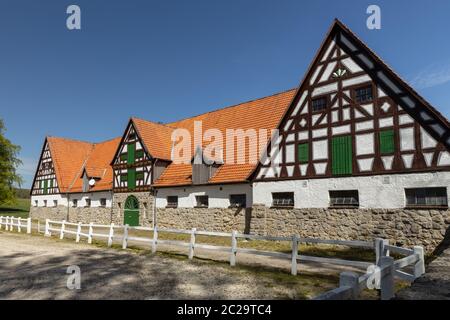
(359, 154)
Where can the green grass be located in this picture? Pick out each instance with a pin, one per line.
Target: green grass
(21, 208)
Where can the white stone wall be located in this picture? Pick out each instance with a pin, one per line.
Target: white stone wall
(217, 198)
(374, 191)
(81, 197)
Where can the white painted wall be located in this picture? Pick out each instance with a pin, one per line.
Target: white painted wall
(373, 193)
(217, 198)
(81, 197)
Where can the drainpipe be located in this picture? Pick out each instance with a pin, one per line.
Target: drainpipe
(112, 206)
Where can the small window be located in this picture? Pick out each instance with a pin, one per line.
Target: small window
(426, 197)
(363, 94)
(55, 203)
(103, 202)
(123, 157)
(319, 104)
(75, 203)
(140, 175)
(202, 201)
(172, 201)
(88, 203)
(124, 177)
(45, 203)
(283, 199)
(347, 198)
(238, 201)
(35, 203)
(387, 142)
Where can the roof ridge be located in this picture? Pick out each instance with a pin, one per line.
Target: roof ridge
(70, 139)
(151, 121)
(234, 105)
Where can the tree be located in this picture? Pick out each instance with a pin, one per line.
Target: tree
(9, 178)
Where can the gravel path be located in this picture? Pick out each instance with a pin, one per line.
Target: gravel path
(434, 284)
(34, 267)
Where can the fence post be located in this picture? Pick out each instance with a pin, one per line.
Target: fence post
(192, 244)
(155, 239)
(90, 233)
(47, 226)
(294, 255)
(63, 226)
(19, 225)
(387, 278)
(350, 279)
(29, 225)
(77, 239)
(125, 237)
(111, 235)
(419, 267)
(233, 248)
(8, 223)
(379, 249)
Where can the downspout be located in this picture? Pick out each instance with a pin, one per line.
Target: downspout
(154, 192)
(68, 205)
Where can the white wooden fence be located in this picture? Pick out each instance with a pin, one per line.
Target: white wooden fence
(20, 223)
(387, 269)
(350, 284)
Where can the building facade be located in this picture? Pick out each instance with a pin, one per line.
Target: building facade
(359, 155)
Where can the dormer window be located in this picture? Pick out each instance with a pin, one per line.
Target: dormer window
(319, 104)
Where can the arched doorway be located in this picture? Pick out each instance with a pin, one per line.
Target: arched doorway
(131, 211)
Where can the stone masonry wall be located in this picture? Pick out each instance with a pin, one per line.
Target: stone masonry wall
(400, 226)
(99, 215)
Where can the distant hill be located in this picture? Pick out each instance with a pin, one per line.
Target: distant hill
(22, 193)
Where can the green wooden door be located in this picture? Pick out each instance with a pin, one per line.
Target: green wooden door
(131, 150)
(45, 186)
(131, 178)
(341, 155)
(131, 212)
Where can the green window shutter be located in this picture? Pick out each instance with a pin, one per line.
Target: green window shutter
(45, 186)
(140, 175)
(131, 178)
(303, 152)
(139, 154)
(387, 141)
(51, 183)
(131, 149)
(341, 155)
(123, 177)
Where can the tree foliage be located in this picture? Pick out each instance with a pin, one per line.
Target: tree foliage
(9, 161)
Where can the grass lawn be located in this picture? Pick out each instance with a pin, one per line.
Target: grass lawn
(19, 209)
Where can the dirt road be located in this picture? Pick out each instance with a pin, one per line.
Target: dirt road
(34, 267)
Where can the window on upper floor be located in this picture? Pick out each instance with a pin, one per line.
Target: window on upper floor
(319, 104)
(74, 203)
(283, 199)
(238, 201)
(344, 198)
(55, 203)
(387, 144)
(88, 203)
(363, 94)
(172, 201)
(202, 201)
(35, 203)
(103, 202)
(45, 203)
(426, 197)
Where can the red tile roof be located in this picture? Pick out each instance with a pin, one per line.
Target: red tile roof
(264, 113)
(72, 157)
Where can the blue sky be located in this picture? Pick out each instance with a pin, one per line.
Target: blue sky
(166, 60)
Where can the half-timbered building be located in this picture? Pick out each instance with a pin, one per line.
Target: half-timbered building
(359, 154)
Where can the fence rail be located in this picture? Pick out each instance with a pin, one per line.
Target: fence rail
(20, 223)
(385, 269)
